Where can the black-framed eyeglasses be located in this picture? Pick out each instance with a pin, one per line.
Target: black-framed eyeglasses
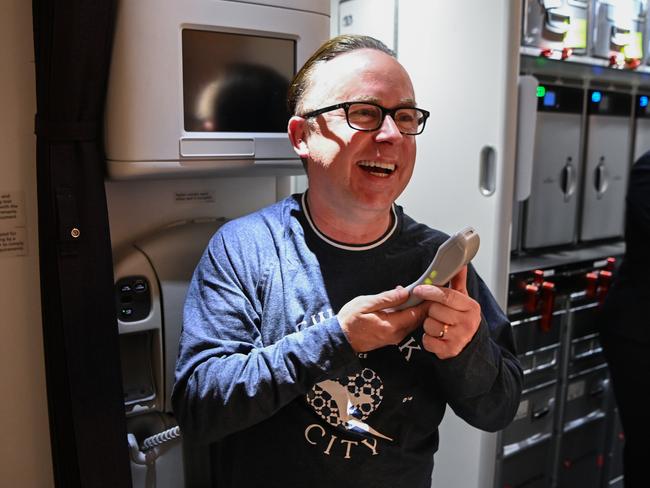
(368, 116)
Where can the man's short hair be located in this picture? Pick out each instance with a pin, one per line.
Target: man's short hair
(328, 51)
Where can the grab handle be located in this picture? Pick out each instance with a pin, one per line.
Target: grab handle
(543, 412)
(487, 171)
(601, 178)
(568, 180)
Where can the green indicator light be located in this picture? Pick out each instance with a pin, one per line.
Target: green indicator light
(541, 91)
(427, 281)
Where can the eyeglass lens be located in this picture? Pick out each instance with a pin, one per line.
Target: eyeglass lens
(364, 116)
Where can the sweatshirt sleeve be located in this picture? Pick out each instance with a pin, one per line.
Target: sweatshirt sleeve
(483, 383)
(226, 378)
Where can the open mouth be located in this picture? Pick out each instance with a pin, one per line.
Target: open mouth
(376, 168)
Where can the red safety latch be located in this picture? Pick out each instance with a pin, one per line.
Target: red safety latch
(548, 303)
(592, 284)
(616, 60)
(605, 280)
(566, 53)
(546, 53)
(532, 298)
(538, 277)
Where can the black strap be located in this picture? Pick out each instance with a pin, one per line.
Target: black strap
(62, 131)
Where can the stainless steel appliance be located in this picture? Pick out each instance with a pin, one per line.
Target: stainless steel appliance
(607, 164)
(558, 25)
(619, 31)
(551, 209)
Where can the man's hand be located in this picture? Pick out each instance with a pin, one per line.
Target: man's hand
(368, 326)
(453, 317)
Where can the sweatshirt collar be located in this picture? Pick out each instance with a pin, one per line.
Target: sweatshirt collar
(349, 247)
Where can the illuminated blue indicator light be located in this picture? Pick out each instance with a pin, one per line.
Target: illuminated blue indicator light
(596, 97)
(549, 99)
(643, 101)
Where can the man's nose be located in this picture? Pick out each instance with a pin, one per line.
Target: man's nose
(388, 130)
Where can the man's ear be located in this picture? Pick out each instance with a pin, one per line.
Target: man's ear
(297, 130)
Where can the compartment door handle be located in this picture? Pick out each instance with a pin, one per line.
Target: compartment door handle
(542, 412)
(601, 178)
(568, 180)
(487, 171)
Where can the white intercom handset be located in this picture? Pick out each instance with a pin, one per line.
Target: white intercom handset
(451, 256)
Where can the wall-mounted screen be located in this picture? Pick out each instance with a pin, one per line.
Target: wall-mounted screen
(235, 82)
(198, 88)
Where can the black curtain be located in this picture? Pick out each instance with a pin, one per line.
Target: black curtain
(72, 44)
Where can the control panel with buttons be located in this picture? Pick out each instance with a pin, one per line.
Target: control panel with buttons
(132, 298)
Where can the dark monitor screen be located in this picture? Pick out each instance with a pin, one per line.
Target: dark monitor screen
(235, 82)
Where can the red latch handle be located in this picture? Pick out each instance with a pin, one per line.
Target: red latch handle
(592, 284)
(532, 298)
(546, 53)
(604, 281)
(548, 304)
(538, 277)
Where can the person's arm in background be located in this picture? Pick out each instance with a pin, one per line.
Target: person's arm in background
(638, 197)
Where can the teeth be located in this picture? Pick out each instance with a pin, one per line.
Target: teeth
(377, 164)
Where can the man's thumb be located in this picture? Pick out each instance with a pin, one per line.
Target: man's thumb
(386, 299)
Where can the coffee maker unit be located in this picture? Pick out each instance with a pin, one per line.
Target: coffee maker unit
(619, 32)
(556, 28)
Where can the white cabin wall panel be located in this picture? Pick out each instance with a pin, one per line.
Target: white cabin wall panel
(463, 62)
(25, 455)
(137, 208)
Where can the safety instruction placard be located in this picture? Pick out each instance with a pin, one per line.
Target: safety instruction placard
(13, 234)
(194, 196)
